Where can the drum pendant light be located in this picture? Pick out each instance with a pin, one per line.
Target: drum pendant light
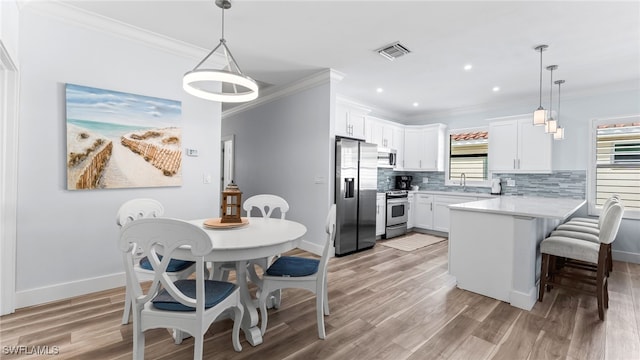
(551, 125)
(226, 85)
(559, 134)
(540, 115)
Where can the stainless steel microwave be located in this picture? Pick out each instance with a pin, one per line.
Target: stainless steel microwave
(386, 158)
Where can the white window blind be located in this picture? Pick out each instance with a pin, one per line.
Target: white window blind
(618, 164)
(468, 154)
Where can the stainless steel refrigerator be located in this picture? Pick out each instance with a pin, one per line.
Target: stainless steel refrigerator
(355, 194)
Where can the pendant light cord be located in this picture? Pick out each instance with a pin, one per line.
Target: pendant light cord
(541, 48)
(551, 95)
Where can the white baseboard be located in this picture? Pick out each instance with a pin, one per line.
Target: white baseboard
(311, 247)
(625, 256)
(62, 291)
(524, 300)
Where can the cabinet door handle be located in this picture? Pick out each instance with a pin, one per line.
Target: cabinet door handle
(518, 163)
(514, 164)
(420, 164)
(377, 209)
(431, 206)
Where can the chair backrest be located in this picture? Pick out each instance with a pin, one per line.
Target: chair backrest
(611, 223)
(266, 203)
(607, 204)
(154, 235)
(330, 228)
(138, 209)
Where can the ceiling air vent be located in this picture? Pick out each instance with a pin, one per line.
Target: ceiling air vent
(393, 51)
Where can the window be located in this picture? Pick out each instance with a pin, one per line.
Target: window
(616, 169)
(468, 154)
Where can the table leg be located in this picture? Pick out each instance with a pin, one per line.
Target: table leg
(250, 318)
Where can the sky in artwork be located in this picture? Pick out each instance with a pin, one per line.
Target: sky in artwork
(106, 106)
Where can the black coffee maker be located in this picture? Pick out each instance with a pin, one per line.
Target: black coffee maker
(403, 182)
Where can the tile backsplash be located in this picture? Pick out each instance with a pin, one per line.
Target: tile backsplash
(564, 184)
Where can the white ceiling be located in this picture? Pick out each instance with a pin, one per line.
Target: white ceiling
(595, 43)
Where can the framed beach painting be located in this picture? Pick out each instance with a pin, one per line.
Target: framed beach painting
(121, 140)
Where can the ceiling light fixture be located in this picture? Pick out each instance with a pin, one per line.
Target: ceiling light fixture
(226, 85)
(468, 67)
(379, 90)
(551, 125)
(540, 115)
(496, 88)
(559, 134)
(415, 104)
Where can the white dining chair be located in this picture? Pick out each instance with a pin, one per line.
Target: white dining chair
(266, 204)
(304, 273)
(178, 269)
(187, 305)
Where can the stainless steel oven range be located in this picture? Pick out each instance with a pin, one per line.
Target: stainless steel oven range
(397, 213)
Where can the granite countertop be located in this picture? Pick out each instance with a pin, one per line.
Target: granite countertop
(553, 208)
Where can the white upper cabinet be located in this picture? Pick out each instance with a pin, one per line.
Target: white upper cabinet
(398, 144)
(350, 120)
(516, 145)
(424, 147)
(381, 132)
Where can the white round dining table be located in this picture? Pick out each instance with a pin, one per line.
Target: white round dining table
(260, 238)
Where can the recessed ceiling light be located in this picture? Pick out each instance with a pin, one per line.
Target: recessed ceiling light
(468, 67)
(415, 104)
(379, 90)
(496, 88)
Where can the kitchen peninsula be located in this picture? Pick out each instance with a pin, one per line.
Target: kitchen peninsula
(494, 244)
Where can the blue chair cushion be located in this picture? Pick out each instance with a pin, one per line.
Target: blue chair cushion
(214, 293)
(293, 266)
(174, 264)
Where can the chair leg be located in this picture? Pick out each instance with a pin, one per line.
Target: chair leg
(320, 315)
(544, 269)
(601, 284)
(138, 340)
(326, 298)
(127, 307)
(198, 345)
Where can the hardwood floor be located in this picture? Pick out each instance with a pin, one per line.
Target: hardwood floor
(385, 304)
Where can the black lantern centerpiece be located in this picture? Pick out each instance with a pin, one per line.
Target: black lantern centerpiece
(231, 204)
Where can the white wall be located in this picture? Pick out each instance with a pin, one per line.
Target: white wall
(283, 147)
(67, 239)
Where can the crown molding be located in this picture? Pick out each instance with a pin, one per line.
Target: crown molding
(92, 21)
(316, 79)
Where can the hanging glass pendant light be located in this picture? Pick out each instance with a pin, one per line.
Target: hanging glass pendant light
(559, 134)
(551, 125)
(228, 84)
(540, 115)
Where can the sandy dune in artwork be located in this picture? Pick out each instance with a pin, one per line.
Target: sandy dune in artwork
(126, 167)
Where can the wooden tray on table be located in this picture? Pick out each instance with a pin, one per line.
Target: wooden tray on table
(215, 223)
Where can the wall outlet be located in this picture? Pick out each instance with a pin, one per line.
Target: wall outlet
(425, 180)
(192, 152)
(206, 178)
(511, 182)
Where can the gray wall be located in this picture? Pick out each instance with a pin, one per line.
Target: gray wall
(66, 243)
(284, 147)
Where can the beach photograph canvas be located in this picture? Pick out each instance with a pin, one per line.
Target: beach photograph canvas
(121, 140)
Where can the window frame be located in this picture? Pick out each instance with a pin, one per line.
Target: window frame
(447, 156)
(592, 208)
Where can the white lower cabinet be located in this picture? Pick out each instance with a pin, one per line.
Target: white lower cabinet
(431, 211)
(381, 213)
(441, 210)
(424, 211)
(411, 213)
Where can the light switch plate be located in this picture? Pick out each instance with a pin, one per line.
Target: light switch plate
(192, 152)
(425, 180)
